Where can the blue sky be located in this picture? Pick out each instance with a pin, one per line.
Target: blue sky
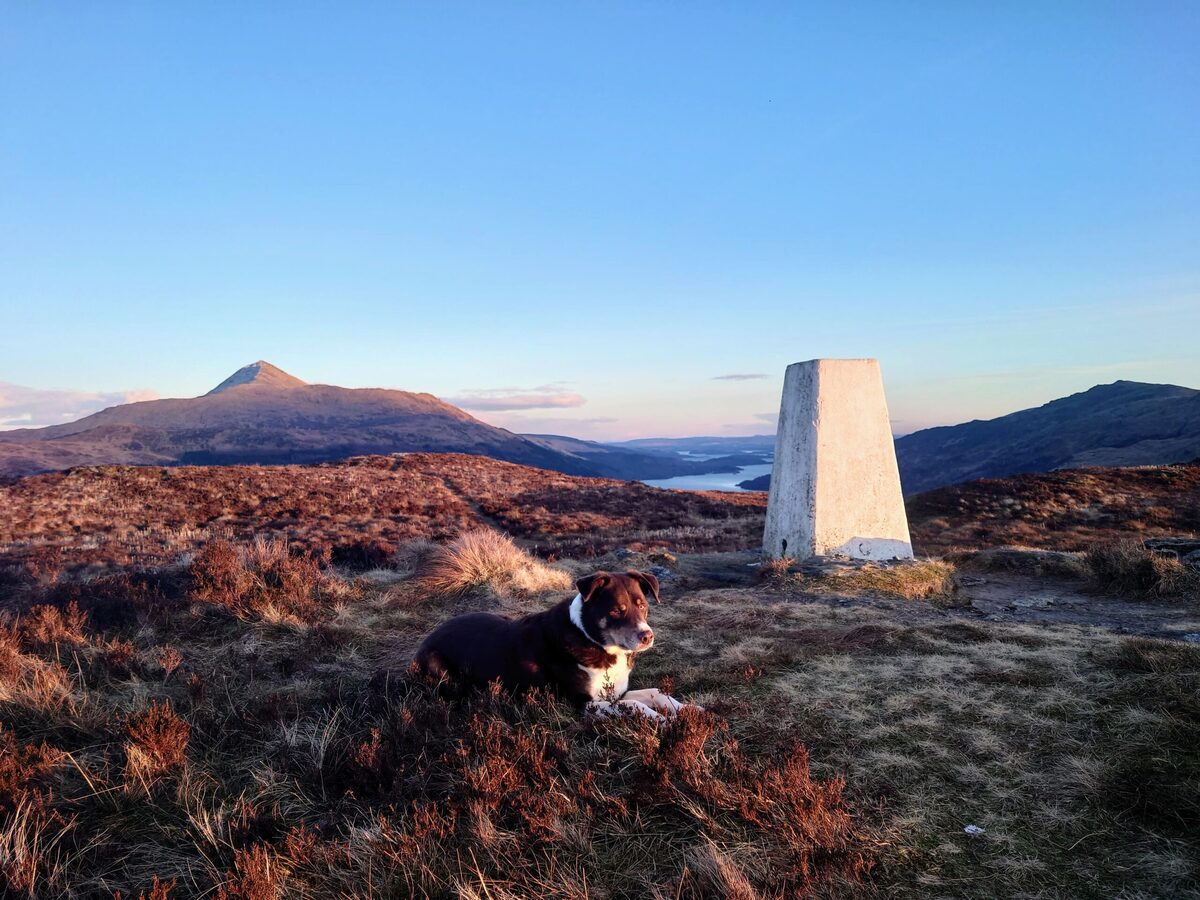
(599, 207)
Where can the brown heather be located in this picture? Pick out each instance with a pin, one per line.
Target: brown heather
(192, 703)
(353, 513)
(1063, 510)
(357, 513)
(265, 581)
(295, 778)
(157, 744)
(159, 890)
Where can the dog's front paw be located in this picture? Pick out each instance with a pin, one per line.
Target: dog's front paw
(641, 709)
(636, 707)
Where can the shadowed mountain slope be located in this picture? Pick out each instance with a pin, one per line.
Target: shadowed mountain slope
(1125, 423)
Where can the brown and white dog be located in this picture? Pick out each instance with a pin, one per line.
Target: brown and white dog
(582, 649)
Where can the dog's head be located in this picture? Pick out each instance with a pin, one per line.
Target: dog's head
(611, 609)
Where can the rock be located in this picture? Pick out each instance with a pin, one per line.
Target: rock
(1179, 547)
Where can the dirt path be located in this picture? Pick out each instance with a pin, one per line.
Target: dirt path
(991, 596)
(1022, 598)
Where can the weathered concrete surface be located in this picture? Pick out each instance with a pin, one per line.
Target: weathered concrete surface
(835, 487)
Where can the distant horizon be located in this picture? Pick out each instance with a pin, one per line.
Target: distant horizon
(52, 401)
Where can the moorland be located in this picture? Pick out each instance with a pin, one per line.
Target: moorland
(204, 691)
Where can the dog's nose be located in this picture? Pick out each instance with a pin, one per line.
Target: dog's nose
(646, 638)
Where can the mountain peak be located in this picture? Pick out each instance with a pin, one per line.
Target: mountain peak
(260, 373)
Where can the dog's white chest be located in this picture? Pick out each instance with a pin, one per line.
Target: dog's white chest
(613, 681)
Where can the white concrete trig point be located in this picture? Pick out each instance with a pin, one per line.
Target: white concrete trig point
(835, 487)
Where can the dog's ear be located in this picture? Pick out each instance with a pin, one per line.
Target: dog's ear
(589, 584)
(648, 582)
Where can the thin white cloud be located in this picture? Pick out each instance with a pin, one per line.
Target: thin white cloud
(27, 407)
(547, 396)
(738, 376)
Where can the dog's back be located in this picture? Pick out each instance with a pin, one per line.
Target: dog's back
(572, 647)
(475, 648)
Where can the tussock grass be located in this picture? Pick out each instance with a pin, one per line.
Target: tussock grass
(1024, 560)
(1031, 732)
(1129, 568)
(929, 579)
(268, 787)
(212, 752)
(486, 558)
(1151, 717)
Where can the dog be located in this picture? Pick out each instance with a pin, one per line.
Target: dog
(582, 648)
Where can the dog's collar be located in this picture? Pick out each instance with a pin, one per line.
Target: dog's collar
(576, 615)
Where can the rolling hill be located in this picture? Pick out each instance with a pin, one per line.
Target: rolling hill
(1126, 423)
(621, 461)
(263, 415)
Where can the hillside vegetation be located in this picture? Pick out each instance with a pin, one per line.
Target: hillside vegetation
(204, 691)
(1064, 510)
(1125, 423)
(243, 726)
(354, 511)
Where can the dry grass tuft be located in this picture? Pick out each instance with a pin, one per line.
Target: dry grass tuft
(1023, 560)
(30, 826)
(487, 558)
(1128, 567)
(775, 569)
(930, 579)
